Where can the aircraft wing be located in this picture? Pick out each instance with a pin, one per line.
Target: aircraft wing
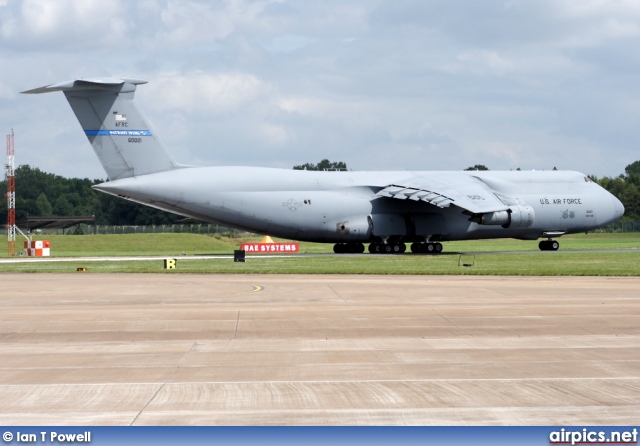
(462, 190)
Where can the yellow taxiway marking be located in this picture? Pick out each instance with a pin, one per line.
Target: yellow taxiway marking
(255, 289)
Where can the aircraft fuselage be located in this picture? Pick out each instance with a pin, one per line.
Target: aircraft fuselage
(343, 206)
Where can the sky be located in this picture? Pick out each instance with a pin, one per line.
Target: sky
(380, 85)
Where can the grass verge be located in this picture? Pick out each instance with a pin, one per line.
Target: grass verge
(489, 257)
(513, 257)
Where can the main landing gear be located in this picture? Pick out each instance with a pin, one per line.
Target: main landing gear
(399, 248)
(348, 248)
(387, 248)
(426, 248)
(548, 245)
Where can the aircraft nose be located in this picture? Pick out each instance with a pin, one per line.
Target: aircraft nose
(618, 208)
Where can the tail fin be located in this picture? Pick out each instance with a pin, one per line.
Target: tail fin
(120, 136)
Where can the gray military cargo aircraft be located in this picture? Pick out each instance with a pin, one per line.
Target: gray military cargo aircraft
(385, 209)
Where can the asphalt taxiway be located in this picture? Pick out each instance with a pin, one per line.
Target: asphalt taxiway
(148, 349)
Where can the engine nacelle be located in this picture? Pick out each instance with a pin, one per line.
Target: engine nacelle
(353, 228)
(494, 218)
(521, 217)
(518, 216)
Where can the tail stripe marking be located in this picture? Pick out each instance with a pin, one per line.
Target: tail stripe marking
(118, 133)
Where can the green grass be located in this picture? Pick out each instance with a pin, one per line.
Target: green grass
(190, 244)
(130, 244)
(573, 242)
(148, 245)
(534, 264)
(519, 257)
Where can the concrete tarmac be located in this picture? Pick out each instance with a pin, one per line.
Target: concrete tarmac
(165, 349)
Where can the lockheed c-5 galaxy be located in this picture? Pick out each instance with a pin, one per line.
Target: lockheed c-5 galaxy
(385, 209)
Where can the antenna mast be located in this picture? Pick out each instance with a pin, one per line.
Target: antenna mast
(11, 197)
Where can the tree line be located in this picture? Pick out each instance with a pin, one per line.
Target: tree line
(44, 194)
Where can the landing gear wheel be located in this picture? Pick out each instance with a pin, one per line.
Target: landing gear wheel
(430, 248)
(548, 245)
(438, 247)
(349, 248)
(388, 249)
(376, 248)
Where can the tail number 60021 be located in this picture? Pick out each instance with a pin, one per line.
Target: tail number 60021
(135, 140)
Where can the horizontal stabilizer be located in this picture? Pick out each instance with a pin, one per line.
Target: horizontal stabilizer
(109, 84)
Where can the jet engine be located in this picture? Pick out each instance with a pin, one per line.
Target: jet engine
(518, 216)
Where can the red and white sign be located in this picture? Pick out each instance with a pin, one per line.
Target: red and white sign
(271, 248)
(37, 248)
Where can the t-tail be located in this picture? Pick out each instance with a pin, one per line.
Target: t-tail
(120, 136)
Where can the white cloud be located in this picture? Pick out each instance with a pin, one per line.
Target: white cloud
(64, 24)
(204, 92)
(596, 22)
(273, 135)
(483, 61)
(183, 24)
(597, 8)
(408, 84)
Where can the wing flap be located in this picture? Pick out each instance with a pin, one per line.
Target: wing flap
(459, 189)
